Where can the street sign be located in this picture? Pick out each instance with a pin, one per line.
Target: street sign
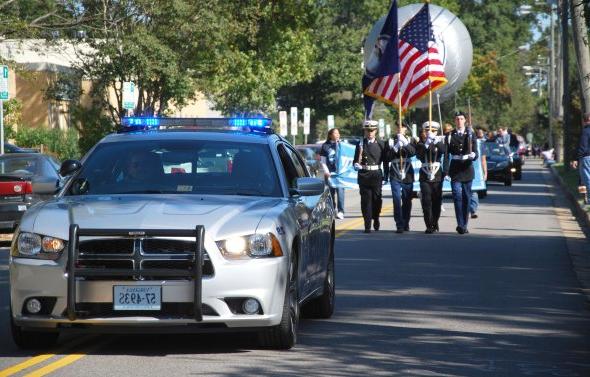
(284, 131)
(330, 122)
(129, 97)
(306, 115)
(3, 82)
(293, 121)
(381, 128)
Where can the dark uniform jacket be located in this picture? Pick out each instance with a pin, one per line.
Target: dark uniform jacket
(433, 153)
(370, 154)
(406, 152)
(460, 170)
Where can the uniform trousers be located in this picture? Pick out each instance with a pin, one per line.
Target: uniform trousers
(461, 197)
(402, 203)
(371, 202)
(431, 199)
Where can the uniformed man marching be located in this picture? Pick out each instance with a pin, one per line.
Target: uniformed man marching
(429, 150)
(399, 150)
(461, 152)
(368, 158)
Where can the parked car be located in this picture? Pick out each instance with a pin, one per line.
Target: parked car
(191, 229)
(499, 163)
(11, 148)
(25, 179)
(311, 155)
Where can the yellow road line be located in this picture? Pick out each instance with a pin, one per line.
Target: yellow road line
(353, 224)
(41, 358)
(24, 365)
(67, 360)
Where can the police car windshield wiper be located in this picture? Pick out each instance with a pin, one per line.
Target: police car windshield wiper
(144, 192)
(241, 192)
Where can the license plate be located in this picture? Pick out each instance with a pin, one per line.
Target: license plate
(137, 297)
(22, 208)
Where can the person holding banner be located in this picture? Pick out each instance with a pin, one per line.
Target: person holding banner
(461, 152)
(368, 157)
(399, 150)
(429, 150)
(329, 155)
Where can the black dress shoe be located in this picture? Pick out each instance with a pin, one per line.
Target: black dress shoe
(460, 230)
(399, 230)
(406, 229)
(376, 224)
(474, 215)
(429, 231)
(367, 230)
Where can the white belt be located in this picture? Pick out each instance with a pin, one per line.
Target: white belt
(431, 164)
(370, 167)
(459, 156)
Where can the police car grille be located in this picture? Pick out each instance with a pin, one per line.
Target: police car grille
(141, 257)
(106, 246)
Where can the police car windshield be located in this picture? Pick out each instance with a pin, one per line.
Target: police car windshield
(178, 167)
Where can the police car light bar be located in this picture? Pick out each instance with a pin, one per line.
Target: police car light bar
(262, 125)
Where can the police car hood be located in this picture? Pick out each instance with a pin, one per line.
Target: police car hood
(221, 215)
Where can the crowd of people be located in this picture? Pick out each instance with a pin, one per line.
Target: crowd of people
(446, 155)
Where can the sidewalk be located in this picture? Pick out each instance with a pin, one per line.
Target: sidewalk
(576, 229)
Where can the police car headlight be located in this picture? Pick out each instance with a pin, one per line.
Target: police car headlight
(251, 246)
(31, 245)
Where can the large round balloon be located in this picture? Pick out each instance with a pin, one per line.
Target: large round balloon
(453, 40)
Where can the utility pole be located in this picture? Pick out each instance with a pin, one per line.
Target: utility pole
(551, 78)
(582, 53)
(567, 135)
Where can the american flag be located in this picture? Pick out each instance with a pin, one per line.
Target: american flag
(384, 61)
(421, 68)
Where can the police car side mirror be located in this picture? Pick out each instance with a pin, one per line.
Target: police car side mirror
(69, 167)
(308, 186)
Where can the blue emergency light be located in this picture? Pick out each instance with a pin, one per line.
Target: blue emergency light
(258, 124)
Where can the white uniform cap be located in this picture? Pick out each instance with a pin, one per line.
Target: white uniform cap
(370, 124)
(435, 126)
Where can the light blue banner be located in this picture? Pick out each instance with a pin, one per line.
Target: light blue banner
(346, 177)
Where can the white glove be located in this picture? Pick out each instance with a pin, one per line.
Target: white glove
(402, 139)
(472, 155)
(398, 146)
(391, 143)
(357, 166)
(431, 135)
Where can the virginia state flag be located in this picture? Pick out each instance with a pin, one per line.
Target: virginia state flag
(383, 65)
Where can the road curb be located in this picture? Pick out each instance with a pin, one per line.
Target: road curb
(581, 215)
(577, 244)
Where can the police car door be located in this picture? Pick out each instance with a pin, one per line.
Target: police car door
(304, 211)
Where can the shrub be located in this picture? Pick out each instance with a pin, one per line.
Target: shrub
(62, 144)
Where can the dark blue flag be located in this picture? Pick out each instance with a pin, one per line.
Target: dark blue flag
(384, 61)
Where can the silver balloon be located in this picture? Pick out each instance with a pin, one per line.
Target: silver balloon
(454, 46)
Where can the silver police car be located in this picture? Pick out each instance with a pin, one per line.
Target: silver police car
(177, 224)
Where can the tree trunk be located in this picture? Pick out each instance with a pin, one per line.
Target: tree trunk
(582, 51)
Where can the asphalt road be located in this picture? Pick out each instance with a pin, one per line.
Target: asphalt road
(500, 301)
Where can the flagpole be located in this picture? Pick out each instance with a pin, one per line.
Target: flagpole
(399, 111)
